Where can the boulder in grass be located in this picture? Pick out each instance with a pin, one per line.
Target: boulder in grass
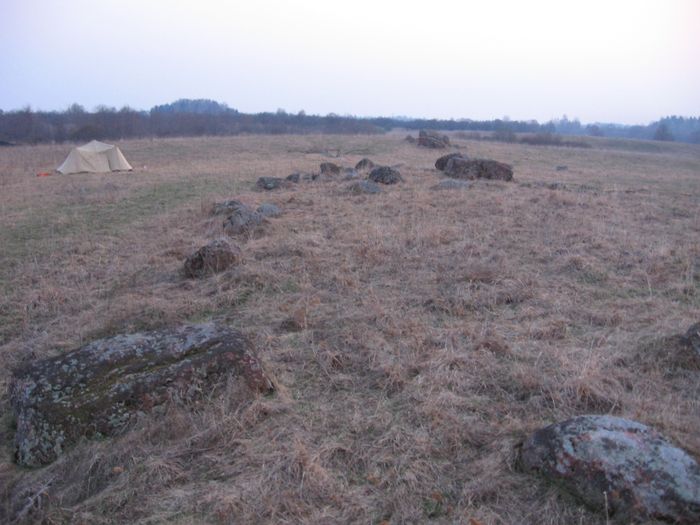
(385, 175)
(470, 169)
(432, 139)
(214, 257)
(441, 163)
(243, 221)
(294, 177)
(96, 390)
(618, 464)
(329, 168)
(364, 165)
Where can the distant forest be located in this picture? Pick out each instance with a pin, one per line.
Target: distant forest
(207, 117)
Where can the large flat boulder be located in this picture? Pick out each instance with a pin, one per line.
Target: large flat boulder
(470, 169)
(618, 464)
(95, 390)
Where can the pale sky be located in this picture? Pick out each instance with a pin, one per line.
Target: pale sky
(628, 61)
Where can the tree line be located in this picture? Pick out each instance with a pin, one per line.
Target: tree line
(187, 117)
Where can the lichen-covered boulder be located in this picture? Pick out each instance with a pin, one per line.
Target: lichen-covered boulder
(214, 257)
(385, 175)
(95, 390)
(620, 464)
(470, 169)
(432, 139)
(243, 221)
(441, 163)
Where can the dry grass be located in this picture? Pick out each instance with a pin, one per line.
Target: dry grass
(437, 328)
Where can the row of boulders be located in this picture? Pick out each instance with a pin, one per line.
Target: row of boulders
(327, 171)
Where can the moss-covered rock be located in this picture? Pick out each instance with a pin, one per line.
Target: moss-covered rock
(95, 390)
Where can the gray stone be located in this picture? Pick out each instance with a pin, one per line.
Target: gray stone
(452, 184)
(212, 258)
(96, 390)
(432, 139)
(294, 177)
(269, 210)
(385, 175)
(364, 186)
(243, 221)
(470, 169)
(618, 463)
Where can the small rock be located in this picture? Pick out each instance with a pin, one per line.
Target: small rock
(562, 168)
(364, 186)
(294, 177)
(470, 169)
(221, 208)
(243, 221)
(620, 464)
(269, 210)
(432, 139)
(212, 258)
(441, 163)
(452, 184)
(328, 168)
(364, 165)
(385, 175)
(272, 183)
(95, 391)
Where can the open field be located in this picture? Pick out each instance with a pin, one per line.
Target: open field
(440, 328)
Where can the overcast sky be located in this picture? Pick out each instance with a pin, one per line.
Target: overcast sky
(629, 61)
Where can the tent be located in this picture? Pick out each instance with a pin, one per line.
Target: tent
(94, 157)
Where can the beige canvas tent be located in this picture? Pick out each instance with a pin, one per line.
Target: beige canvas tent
(94, 157)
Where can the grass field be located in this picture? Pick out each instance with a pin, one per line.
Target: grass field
(439, 327)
